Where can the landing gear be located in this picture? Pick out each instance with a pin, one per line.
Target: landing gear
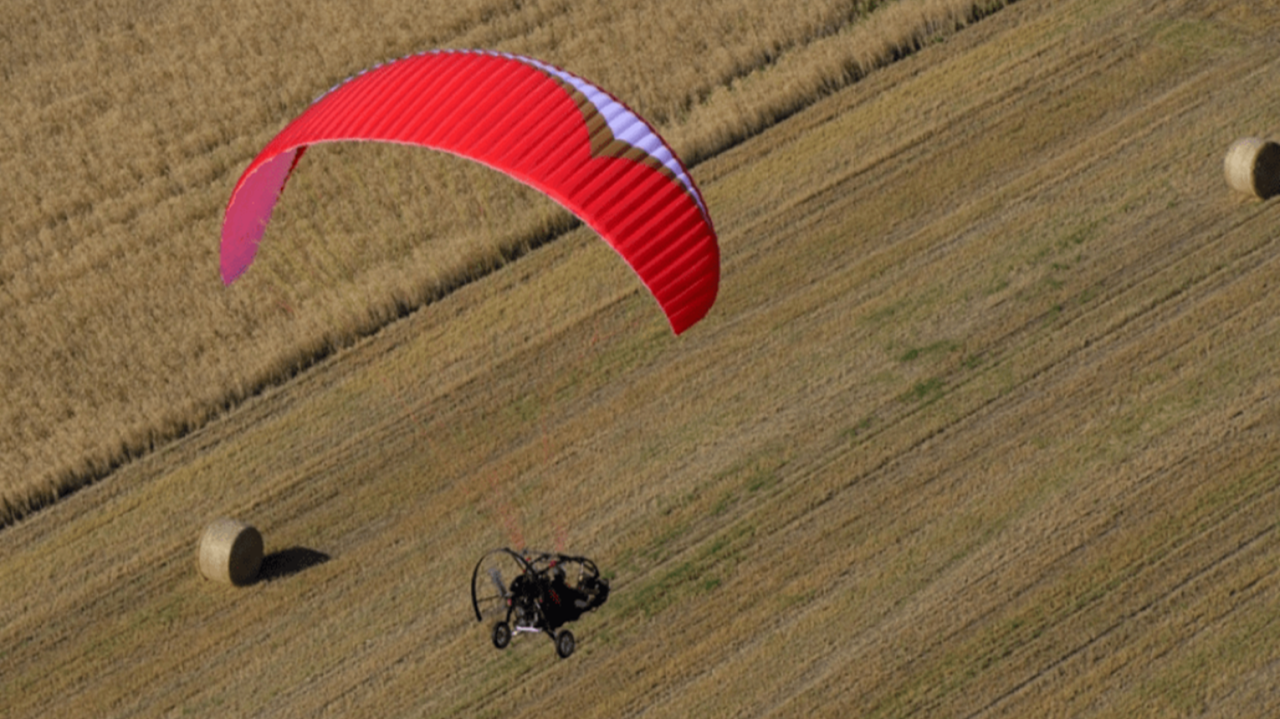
(501, 635)
(565, 643)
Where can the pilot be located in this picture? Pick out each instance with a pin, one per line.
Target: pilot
(558, 586)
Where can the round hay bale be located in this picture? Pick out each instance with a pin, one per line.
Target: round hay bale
(1253, 167)
(230, 552)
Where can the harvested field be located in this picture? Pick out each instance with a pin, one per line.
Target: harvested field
(984, 422)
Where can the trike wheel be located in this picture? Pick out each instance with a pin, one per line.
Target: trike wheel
(501, 635)
(564, 643)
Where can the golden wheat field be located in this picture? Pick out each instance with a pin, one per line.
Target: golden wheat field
(984, 421)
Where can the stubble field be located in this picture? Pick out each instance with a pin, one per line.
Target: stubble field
(982, 424)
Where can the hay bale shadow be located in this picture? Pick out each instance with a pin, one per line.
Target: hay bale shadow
(288, 562)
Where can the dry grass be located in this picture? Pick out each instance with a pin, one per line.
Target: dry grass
(125, 128)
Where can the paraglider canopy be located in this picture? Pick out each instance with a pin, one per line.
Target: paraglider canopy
(535, 122)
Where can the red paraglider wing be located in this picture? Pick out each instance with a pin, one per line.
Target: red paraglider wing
(535, 122)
